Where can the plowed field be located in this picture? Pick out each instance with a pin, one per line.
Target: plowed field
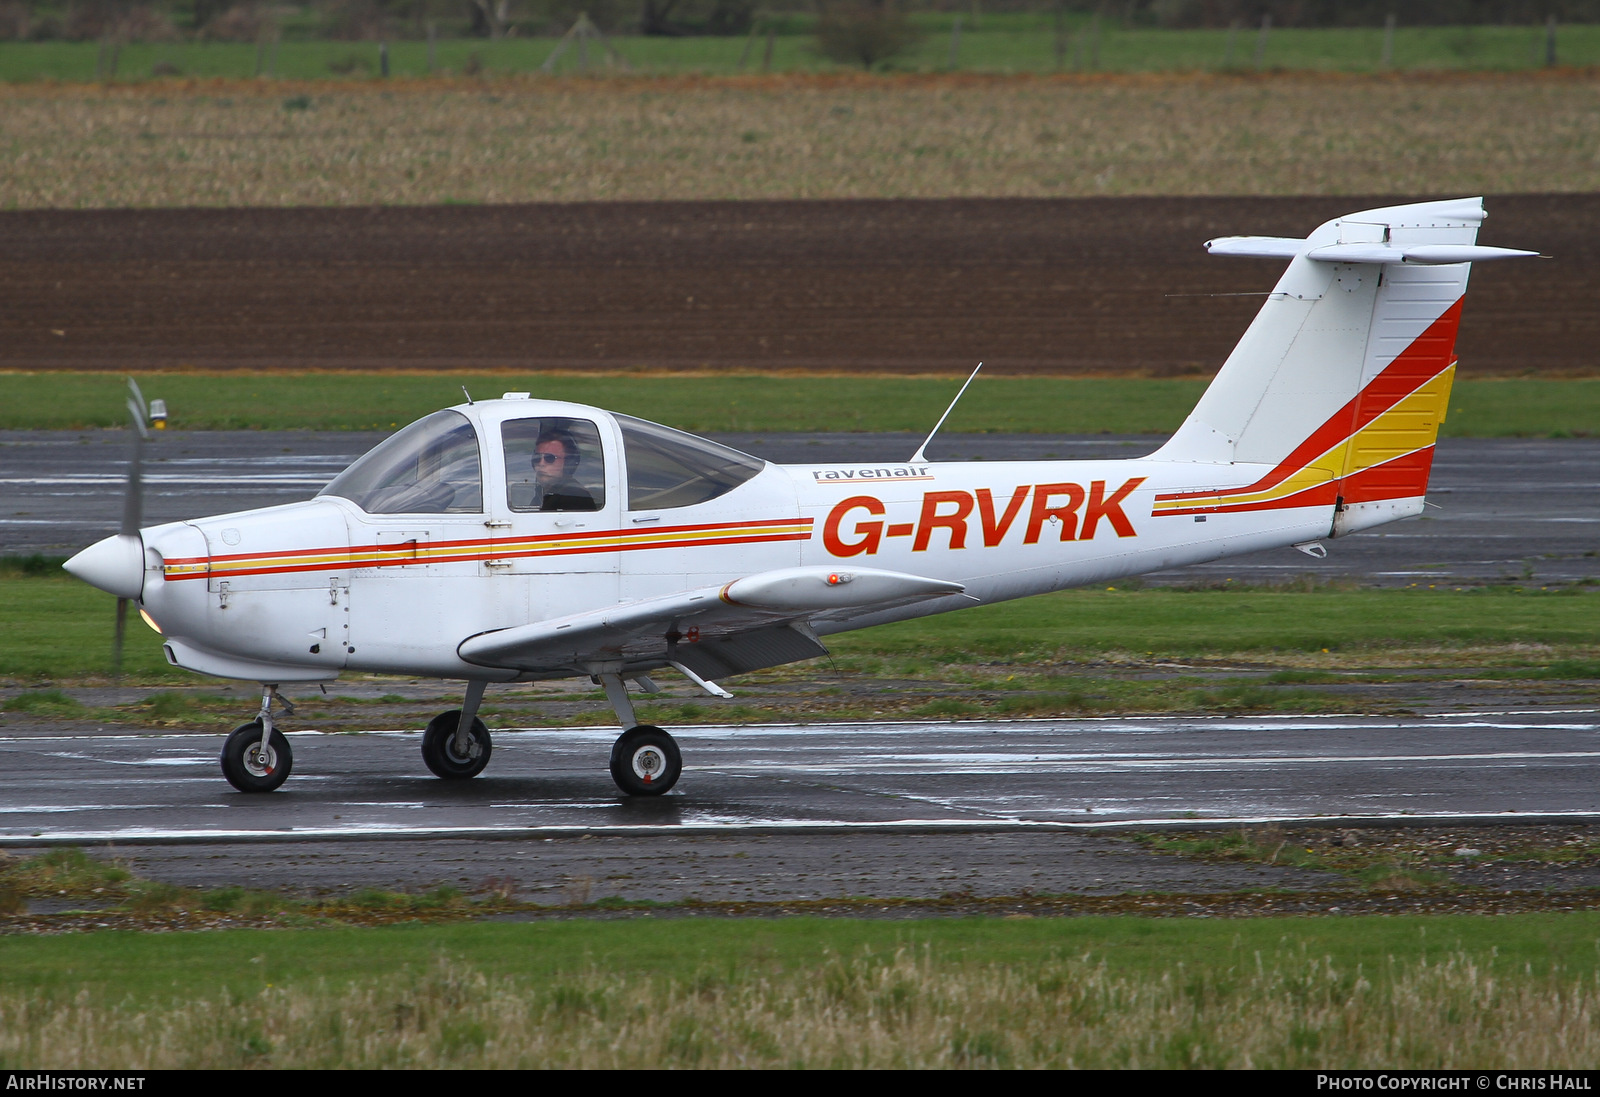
(1063, 286)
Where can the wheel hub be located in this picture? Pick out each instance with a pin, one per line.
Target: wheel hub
(260, 761)
(648, 762)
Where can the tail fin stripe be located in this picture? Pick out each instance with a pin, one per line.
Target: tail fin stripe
(1425, 359)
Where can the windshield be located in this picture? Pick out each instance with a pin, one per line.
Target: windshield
(431, 467)
(668, 468)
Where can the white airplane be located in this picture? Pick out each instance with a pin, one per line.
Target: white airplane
(521, 539)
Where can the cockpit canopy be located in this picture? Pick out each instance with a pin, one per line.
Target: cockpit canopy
(551, 463)
(430, 467)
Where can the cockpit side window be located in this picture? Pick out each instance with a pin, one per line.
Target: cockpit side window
(668, 468)
(430, 467)
(553, 463)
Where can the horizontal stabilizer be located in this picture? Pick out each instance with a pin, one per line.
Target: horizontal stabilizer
(1256, 247)
(1428, 255)
(758, 612)
(1283, 247)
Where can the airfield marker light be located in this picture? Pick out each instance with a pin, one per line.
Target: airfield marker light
(158, 414)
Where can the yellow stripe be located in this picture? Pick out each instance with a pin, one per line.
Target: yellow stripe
(426, 552)
(1410, 425)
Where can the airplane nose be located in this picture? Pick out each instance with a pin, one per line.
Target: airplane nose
(115, 565)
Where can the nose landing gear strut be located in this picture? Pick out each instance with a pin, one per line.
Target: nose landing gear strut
(256, 757)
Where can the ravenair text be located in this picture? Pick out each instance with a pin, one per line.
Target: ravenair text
(961, 519)
(890, 472)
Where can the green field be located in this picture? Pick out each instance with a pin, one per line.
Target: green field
(384, 401)
(991, 44)
(60, 629)
(1513, 991)
(273, 143)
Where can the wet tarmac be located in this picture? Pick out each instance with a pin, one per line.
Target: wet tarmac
(798, 813)
(975, 776)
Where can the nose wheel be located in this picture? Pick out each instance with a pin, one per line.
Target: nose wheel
(256, 757)
(645, 761)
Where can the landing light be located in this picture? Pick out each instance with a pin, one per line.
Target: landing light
(839, 577)
(151, 621)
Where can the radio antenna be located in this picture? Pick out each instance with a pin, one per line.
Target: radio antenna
(919, 455)
(467, 394)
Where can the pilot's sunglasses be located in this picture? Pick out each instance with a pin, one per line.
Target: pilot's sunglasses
(549, 458)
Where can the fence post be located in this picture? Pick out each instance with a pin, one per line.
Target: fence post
(1387, 61)
(1061, 33)
(772, 40)
(955, 43)
(1233, 40)
(1261, 39)
(1550, 42)
(749, 44)
(383, 59)
(1094, 41)
(433, 45)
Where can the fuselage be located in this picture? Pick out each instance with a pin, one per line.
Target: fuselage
(307, 590)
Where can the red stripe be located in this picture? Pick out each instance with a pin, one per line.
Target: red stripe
(488, 541)
(1404, 477)
(1319, 495)
(487, 552)
(1428, 355)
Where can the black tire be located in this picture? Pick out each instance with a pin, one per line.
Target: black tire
(645, 761)
(244, 765)
(440, 756)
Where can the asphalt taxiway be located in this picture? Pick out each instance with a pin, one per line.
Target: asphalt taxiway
(884, 808)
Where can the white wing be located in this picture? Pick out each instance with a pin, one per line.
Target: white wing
(761, 620)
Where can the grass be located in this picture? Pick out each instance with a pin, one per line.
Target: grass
(1375, 866)
(520, 139)
(995, 43)
(1405, 992)
(1172, 622)
(741, 402)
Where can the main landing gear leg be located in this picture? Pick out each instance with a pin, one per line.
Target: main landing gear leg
(256, 757)
(456, 744)
(645, 760)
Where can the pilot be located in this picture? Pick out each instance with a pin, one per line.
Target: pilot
(555, 459)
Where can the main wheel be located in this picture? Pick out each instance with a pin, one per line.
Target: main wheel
(250, 768)
(645, 761)
(439, 751)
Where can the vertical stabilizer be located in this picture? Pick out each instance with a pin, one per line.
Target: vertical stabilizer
(1340, 384)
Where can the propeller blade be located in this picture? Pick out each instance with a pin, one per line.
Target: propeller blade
(133, 498)
(116, 643)
(132, 504)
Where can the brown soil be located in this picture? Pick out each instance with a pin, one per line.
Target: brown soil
(1065, 286)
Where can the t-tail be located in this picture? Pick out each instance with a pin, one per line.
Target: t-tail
(1335, 394)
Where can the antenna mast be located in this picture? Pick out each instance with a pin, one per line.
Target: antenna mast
(919, 455)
